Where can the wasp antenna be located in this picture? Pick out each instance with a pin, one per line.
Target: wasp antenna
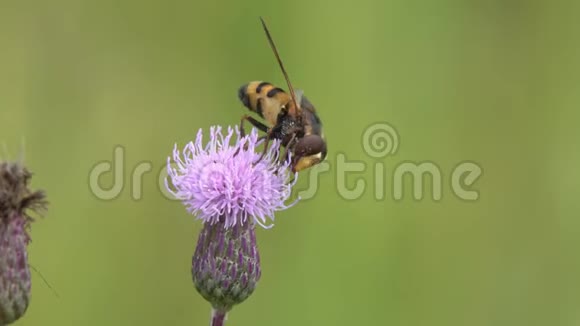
(273, 46)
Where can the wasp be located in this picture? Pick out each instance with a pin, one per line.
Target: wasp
(290, 117)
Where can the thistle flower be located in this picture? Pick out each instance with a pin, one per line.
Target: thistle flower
(15, 199)
(231, 188)
(220, 181)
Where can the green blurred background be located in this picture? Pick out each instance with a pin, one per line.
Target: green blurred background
(493, 82)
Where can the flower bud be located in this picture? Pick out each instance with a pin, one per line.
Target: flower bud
(226, 264)
(15, 200)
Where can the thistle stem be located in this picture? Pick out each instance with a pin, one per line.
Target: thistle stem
(218, 318)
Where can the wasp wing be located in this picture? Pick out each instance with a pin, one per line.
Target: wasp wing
(304, 102)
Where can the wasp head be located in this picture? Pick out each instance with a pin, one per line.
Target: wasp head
(309, 151)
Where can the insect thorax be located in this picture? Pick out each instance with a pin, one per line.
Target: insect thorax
(287, 127)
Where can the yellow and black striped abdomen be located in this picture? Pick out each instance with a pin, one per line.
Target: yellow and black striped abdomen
(263, 98)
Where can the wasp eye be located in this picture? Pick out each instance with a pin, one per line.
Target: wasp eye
(310, 145)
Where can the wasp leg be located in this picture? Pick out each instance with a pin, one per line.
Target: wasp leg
(254, 122)
(297, 156)
(266, 143)
(287, 153)
(288, 147)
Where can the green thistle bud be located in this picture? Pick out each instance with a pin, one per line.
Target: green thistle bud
(226, 264)
(15, 200)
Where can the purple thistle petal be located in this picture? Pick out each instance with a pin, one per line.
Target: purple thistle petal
(230, 253)
(233, 272)
(221, 179)
(244, 245)
(224, 266)
(221, 243)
